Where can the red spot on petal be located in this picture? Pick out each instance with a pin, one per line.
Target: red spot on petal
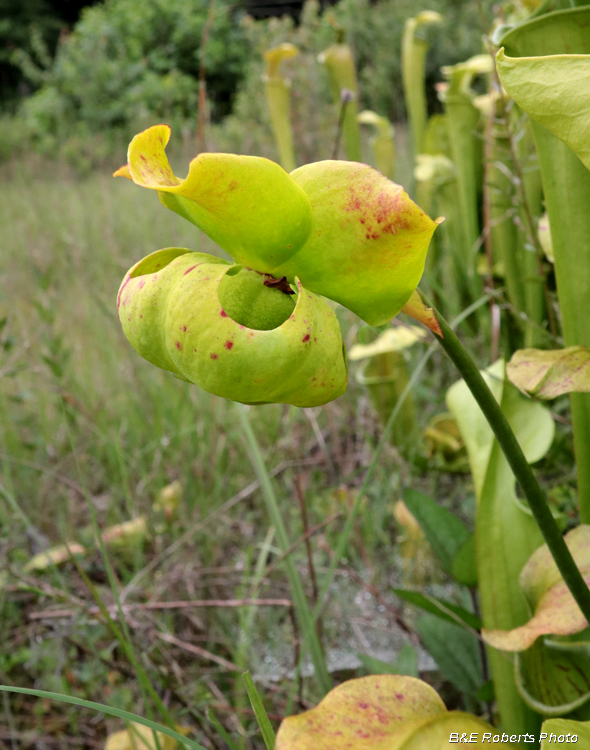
(141, 284)
(363, 705)
(184, 328)
(223, 314)
(188, 270)
(213, 356)
(178, 345)
(305, 338)
(228, 344)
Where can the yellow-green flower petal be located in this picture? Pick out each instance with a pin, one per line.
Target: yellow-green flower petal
(174, 319)
(368, 241)
(248, 205)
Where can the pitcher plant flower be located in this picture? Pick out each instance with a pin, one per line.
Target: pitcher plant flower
(258, 330)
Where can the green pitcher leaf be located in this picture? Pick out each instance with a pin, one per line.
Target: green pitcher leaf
(278, 96)
(506, 535)
(555, 610)
(553, 90)
(382, 143)
(248, 205)
(174, 319)
(578, 731)
(532, 422)
(553, 681)
(385, 712)
(339, 61)
(548, 374)
(465, 564)
(414, 50)
(368, 241)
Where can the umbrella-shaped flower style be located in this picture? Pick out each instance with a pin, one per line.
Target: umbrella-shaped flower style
(259, 331)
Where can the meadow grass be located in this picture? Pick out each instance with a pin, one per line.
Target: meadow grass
(89, 428)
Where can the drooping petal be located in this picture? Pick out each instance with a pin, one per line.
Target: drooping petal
(368, 241)
(248, 205)
(174, 319)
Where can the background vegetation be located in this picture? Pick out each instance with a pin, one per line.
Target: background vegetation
(89, 430)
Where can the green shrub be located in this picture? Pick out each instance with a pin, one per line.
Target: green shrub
(129, 63)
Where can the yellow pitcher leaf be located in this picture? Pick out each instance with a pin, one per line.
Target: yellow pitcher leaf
(140, 737)
(383, 712)
(391, 340)
(54, 556)
(555, 610)
(548, 374)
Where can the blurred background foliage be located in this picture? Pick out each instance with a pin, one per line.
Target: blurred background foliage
(81, 89)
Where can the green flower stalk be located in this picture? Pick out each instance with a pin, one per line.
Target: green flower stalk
(414, 49)
(278, 97)
(259, 330)
(382, 143)
(544, 66)
(339, 61)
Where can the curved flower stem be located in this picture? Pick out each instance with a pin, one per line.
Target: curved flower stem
(522, 471)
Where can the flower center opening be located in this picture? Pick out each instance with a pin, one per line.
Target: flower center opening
(255, 300)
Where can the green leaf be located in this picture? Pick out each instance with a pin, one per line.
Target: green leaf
(445, 533)
(266, 729)
(108, 710)
(248, 205)
(368, 241)
(387, 712)
(455, 651)
(406, 663)
(548, 374)
(553, 681)
(581, 730)
(440, 608)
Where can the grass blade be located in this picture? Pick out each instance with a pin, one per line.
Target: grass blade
(116, 712)
(302, 609)
(266, 729)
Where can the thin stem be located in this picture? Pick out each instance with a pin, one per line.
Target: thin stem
(300, 603)
(522, 471)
